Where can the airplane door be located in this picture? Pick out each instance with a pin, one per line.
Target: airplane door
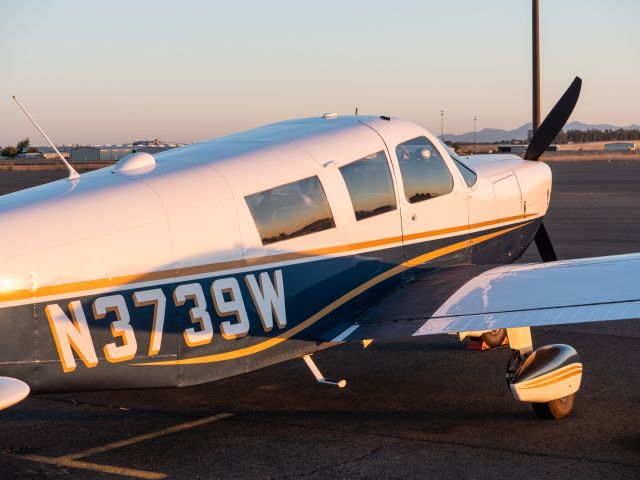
(435, 210)
(360, 182)
(431, 195)
(374, 228)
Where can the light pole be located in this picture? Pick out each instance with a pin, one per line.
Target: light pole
(535, 54)
(442, 125)
(475, 143)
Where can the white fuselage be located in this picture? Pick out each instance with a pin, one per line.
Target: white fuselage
(187, 219)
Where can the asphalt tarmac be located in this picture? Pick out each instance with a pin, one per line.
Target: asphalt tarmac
(425, 408)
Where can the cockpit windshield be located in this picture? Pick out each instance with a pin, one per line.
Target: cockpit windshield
(470, 177)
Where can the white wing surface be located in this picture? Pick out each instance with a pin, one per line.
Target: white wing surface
(572, 291)
(475, 298)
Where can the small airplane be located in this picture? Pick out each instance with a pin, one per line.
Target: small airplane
(230, 255)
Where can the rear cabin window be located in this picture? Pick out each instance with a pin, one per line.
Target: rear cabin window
(291, 210)
(424, 173)
(370, 186)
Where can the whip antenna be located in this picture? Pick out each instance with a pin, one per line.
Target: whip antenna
(73, 175)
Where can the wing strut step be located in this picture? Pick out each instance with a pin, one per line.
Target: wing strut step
(318, 374)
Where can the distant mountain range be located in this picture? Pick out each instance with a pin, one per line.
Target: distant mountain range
(489, 135)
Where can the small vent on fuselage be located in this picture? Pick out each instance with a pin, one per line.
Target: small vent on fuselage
(135, 163)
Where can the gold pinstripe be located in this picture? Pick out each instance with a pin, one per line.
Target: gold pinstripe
(118, 281)
(554, 377)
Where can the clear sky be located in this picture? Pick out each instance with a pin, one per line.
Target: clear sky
(119, 70)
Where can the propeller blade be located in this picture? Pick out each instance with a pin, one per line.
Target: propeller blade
(545, 247)
(553, 124)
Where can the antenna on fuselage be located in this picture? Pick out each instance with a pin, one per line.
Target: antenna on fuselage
(356, 111)
(73, 175)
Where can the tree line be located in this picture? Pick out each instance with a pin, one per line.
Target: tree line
(594, 135)
(22, 146)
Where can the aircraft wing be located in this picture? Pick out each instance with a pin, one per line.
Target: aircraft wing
(483, 298)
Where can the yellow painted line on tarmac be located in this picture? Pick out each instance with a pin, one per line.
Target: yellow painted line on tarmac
(96, 467)
(148, 436)
(71, 460)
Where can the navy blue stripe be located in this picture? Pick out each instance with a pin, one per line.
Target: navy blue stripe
(28, 351)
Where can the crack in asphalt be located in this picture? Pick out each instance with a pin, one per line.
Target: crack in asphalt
(172, 413)
(360, 458)
(449, 443)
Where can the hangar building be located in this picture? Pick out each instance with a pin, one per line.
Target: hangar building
(113, 153)
(620, 147)
(100, 153)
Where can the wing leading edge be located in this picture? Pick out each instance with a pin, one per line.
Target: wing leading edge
(571, 291)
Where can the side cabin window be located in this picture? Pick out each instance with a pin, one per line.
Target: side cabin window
(370, 185)
(424, 173)
(291, 210)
